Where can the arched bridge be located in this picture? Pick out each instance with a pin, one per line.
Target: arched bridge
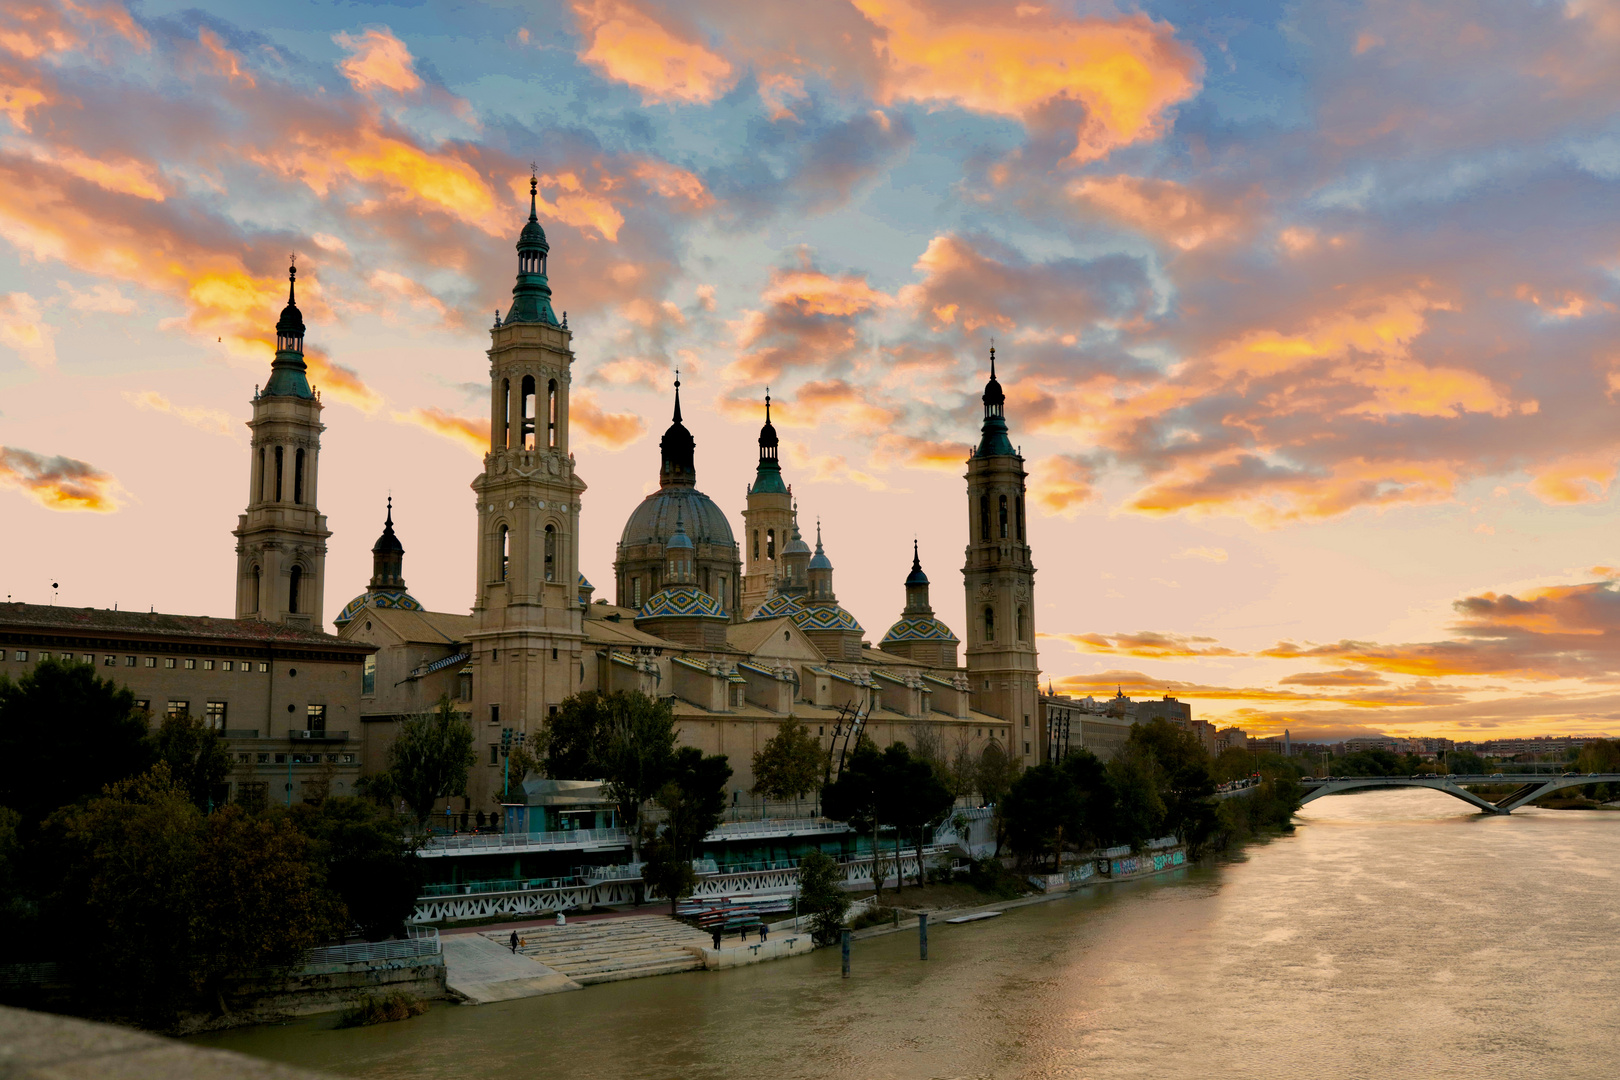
(1528, 787)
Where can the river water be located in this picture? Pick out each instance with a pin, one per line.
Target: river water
(1394, 934)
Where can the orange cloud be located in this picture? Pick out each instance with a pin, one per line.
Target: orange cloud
(943, 454)
(18, 98)
(121, 174)
(58, 483)
(1383, 327)
(413, 292)
(1271, 495)
(1146, 644)
(1062, 484)
(812, 292)
(472, 435)
(23, 327)
(576, 206)
(1162, 208)
(1577, 478)
(225, 61)
(213, 421)
(673, 183)
(613, 431)
(1127, 72)
(342, 383)
(378, 59)
(628, 44)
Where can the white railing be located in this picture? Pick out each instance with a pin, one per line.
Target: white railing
(442, 845)
(421, 941)
(734, 830)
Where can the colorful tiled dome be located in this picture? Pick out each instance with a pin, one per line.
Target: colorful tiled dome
(681, 600)
(922, 629)
(398, 599)
(825, 618)
(777, 607)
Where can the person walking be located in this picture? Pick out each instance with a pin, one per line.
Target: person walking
(742, 932)
(717, 939)
(514, 942)
(763, 932)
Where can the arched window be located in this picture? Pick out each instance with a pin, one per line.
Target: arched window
(551, 553)
(1023, 632)
(984, 519)
(720, 591)
(506, 414)
(502, 553)
(254, 595)
(298, 476)
(756, 545)
(1020, 518)
(528, 412)
(551, 413)
(259, 487)
(770, 544)
(278, 474)
(1004, 517)
(635, 592)
(295, 584)
(989, 624)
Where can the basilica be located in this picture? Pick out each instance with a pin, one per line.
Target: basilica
(738, 630)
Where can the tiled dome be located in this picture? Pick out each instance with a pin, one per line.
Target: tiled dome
(777, 607)
(919, 630)
(825, 618)
(681, 600)
(397, 599)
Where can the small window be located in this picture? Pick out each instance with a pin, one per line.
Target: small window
(635, 592)
(208, 665)
(264, 759)
(89, 658)
(1003, 517)
(178, 708)
(494, 753)
(464, 686)
(191, 665)
(295, 582)
(770, 544)
(109, 661)
(281, 759)
(129, 661)
(1020, 517)
(551, 413)
(984, 518)
(494, 714)
(989, 627)
(151, 661)
(554, 654)
(298, 477)
(168, 662)
(756, 545)
(502, 553)
(143, 705)
(368, 675)
(21, 654)
(551, 710)
(264, 666)
(225, 665)
(214, 711)
(316, 720)
(278, 474)
(551, 553)
(1026, 749)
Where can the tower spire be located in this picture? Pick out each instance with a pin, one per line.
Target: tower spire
(531, 296)
(677, 449)
(677, 416)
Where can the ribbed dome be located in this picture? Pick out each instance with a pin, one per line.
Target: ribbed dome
(653, 521)
(919, 630)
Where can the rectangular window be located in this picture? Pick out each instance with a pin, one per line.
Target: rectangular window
(225, 665)
(89, 658)
(21, 654)
(129, 661)
(208, 665)
(151, 661)
(143, 705)
(264, 759)
(368, 675)
(494, 753)
(178, 708)
(168, 662)
(191, 665)
(551, 711)
(264, 666)
(494, 714)
(109, 661)
(345, 759)
(554, 654)
(281, 759)
(1026, 749)
(317, 719)
(635, 592)
(215, 712)
(464, 685)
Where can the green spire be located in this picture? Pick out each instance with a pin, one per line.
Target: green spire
(288, 375)
(769, 477)
(531, 296)
(994, 441)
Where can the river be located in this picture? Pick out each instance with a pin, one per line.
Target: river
(1393, 934)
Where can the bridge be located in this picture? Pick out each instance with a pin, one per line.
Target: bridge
(1527, 788)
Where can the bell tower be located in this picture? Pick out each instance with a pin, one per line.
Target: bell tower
(281, 539)
(999, 580)
(526, 644)
(767, 523)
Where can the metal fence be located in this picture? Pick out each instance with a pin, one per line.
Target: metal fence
(420, 941)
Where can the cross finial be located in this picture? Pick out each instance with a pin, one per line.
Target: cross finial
(767, 404)
(992, 358)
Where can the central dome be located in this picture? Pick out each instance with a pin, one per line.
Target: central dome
(653, 522)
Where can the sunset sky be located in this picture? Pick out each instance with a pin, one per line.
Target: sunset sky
(1307, 314)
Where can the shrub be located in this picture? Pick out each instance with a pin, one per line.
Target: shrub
(382, 1008)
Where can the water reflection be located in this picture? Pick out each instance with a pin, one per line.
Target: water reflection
(1396, 933)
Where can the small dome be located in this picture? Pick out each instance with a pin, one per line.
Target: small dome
(916, 577)
(767, 434)
(919, 630)
(820, 560)
(396, 599)
(388, 542)
(680, 540)
(825, 618)
(291, 323)
(777, 607)
(796, 546)
(992, 389)
(654, 520)
(681, 600)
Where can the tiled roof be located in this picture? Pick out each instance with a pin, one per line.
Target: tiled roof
(681, 600)
(920, 630)
(377, 598)
(825, 618)
(46, 617)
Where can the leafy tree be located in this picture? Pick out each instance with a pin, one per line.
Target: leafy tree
(1186, 786)
(994, 778)
(196, 756)
(626, 739)
(1138, 808)
(790, 764)
(1094, 793)
(364, 862)
(524, 759)
(856, 797)
(914, 799)
(65, 734)
(1464, 763)
(821, 896)
(428, 761)
(1599, 756)
(693, 801)
(1375, 762)
(1041, 811)
(1232, 764)
(572, 737)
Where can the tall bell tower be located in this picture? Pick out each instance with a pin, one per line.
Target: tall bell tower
(767, 522)
(999, 579)
(528, 633)
(281, 539)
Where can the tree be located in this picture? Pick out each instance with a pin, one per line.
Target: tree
(693, 801)
(65, 734)
(790, 764)
(571, 738)
(1041, 810)
(1186, 786)
(855, 797)
(994, 778)
(1095, 794)
(821, 896)
(919, 800)
(625, 739)
(428, 761)
(523, 759)
(196, 756)
(1138, 808)
(364, 862)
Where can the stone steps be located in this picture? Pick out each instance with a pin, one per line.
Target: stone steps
(608, 950)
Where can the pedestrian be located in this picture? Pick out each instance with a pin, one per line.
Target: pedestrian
(562, 920)
(742, 932)
(514, 942)
(763, 931)
(717, 939)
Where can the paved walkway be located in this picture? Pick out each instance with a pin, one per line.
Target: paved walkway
(480, 971)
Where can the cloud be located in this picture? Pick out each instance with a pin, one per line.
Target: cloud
(1125, 74)
(609, 430)
(213, 421)
(1163, 209)
(58, 483)
(1146, 644)
(99, 298)
(378, 59)
(23, 327)
(1063, 484)
(1344, 677)
(1208, 554)
(226, 62)
(470, 435)
(628, 45)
